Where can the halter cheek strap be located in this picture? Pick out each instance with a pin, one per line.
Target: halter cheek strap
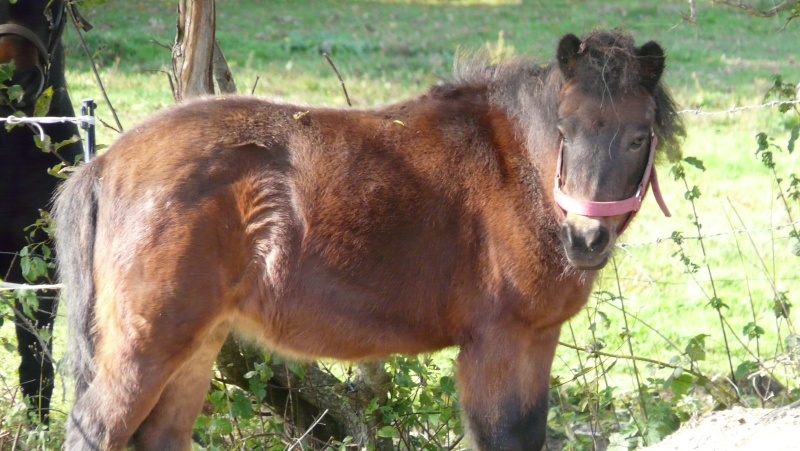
(614, 208)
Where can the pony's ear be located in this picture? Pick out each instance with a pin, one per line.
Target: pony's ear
(651, 64)
(568, 49)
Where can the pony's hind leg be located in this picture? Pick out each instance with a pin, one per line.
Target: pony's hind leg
(169, 425)
(122, 394)
(144, 342)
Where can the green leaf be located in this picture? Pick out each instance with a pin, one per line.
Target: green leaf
(66, 142)
(58, 171)
(692, 194)
(677, 171)
(696, 349)
(25, 265)
(45, 145)
(388, 432)
(695, 162)
(298, 369)
(373, 406)
(218, 399)
(15, 93)
(682, 384)
(717, 303)
(241, 407)
(762, 141)
(42, 106)
(221, 426)
(781, 305)
(793, 138)
(752, 330)
(264, 370)
(258, 388)
(6, 71)
(745, 369)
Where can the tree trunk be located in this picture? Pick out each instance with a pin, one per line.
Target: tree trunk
(301, 400)
(192, 54)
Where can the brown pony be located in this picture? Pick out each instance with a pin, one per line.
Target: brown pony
(356, 234)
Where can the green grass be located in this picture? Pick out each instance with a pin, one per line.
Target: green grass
(391, 50)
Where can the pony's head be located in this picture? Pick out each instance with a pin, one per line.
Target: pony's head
(612, 114)
(29, 33)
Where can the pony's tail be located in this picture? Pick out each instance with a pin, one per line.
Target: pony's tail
(74, 213)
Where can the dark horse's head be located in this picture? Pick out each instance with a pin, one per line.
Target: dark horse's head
(29, 33)
(612, 113)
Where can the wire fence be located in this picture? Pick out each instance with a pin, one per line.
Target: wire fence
(739, 109)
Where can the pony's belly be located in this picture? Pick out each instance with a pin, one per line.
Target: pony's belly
(311, 328)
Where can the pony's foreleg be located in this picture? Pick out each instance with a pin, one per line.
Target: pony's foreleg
(504, 378)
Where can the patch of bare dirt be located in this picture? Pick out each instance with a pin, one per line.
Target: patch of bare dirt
(738, 429)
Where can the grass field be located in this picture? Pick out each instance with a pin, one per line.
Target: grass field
(390, 50)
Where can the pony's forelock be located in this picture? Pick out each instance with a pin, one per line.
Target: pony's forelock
(608, 66)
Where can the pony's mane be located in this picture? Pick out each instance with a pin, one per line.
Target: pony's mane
(609, 66)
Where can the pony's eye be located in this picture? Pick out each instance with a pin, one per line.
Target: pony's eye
(637, 143)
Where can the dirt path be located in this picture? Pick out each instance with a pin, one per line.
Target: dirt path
(739, 429)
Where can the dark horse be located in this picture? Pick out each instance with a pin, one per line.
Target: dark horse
(357, 234)
(30, 36)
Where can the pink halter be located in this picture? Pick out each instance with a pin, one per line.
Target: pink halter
(604, 209)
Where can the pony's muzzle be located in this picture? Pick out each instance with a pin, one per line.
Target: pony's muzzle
(587, 241)
(29, 70)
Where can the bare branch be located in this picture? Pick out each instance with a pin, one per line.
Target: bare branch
(79, 25)
(330, 61)
(787, 5)
(316, 422)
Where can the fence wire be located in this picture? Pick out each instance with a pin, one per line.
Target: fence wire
(738, 109)
(38, 121)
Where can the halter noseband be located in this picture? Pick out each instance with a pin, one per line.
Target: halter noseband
(614, 208)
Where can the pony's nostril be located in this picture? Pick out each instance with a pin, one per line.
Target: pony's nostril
(597, 239)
